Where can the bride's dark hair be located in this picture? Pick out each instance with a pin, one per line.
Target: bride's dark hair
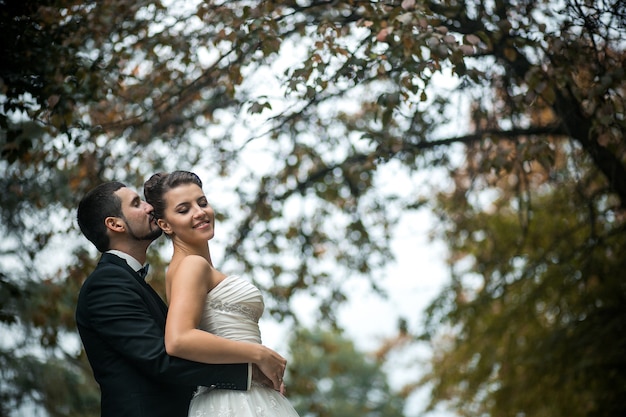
(161, 182)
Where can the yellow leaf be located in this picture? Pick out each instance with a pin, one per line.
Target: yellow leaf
(510, 54)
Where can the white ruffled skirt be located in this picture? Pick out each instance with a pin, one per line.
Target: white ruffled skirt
(258, 401)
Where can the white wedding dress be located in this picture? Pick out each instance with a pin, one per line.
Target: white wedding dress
(232, 310)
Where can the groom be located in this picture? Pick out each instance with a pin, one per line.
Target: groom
(121, 319)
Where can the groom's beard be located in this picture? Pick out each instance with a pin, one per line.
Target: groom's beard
(150, 236)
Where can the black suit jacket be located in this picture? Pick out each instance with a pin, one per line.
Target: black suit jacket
(121, 321)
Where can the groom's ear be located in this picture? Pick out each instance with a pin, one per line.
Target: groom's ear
(115, 224)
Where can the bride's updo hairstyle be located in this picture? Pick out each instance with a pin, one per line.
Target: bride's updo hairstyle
(155, 188)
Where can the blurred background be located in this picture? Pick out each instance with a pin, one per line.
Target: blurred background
(430, 195)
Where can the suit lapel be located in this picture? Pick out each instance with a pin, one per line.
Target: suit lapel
(150, 295)
(156, 300)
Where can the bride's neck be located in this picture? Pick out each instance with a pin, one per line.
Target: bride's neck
(182, 249)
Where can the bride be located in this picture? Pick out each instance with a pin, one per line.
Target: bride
(212, 317)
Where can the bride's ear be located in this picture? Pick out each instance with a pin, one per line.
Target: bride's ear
(164, 226)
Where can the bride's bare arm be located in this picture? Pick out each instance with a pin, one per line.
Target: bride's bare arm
(187, 296)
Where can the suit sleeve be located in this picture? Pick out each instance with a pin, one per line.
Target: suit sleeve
(132, 322)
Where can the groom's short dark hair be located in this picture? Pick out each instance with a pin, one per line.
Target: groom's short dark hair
(98, 204)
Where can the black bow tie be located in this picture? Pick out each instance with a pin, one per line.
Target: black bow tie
(143, 271)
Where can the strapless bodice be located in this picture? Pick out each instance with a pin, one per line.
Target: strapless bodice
(233, 309)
